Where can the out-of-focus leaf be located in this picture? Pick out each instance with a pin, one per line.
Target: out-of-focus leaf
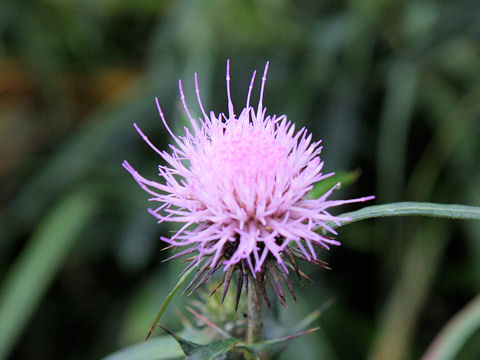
(299, 318)
(34, 269)
(413, 208)
(310, 318)
(447, 139)
(455, 333)
(409, 293)
(393, 133)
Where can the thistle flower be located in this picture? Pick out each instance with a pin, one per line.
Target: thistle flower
(238, 184)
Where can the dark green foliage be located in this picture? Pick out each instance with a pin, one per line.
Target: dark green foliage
(392, 88)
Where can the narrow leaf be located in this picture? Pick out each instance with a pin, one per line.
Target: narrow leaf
(412, 209)
(168, 299)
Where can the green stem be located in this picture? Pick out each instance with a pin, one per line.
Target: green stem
(255, 318)
(255, 313)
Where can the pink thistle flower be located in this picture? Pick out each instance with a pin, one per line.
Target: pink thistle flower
(238, 183)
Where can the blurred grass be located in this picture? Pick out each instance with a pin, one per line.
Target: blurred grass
(390, 86)
(41, 258)
(452, 337)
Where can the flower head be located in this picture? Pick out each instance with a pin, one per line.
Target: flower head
(238, 183)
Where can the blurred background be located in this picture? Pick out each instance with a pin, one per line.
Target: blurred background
(392, 87)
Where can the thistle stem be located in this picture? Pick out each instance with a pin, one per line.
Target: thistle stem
(255, 312)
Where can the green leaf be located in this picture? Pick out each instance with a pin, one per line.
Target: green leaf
(168, 299)
(187, 346)
(40, 260)
(159, 348)
(412, 208)
(217, 350)
(456, 333)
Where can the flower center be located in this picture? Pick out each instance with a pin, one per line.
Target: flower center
(248, 156)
